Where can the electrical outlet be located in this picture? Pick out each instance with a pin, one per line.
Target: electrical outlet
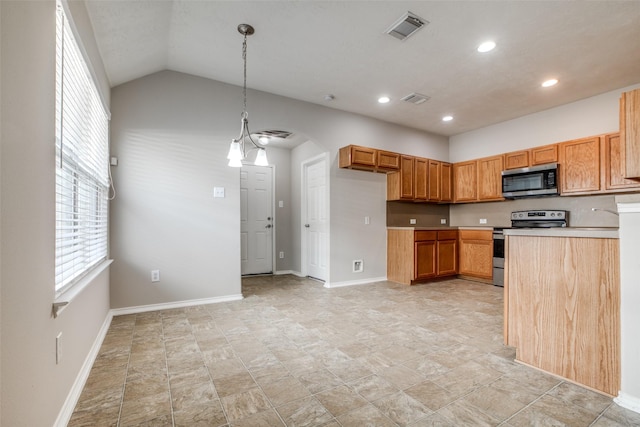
(281, 204)
(358, 266)
(281, 254)
(443, 220)
(483, 220)
(218, 192)
(412, 221)
(59, 348)
(155, 275)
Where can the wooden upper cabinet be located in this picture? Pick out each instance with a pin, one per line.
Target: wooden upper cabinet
(543, 155)
(368, 159)
(388, 161)
(435, 168)
(421, 178)
(630, 131)
(465, 181)
(356, 157)
(580, 166)
(400, 184)
(490, 178)
(446, 182)
(614, 164)
(516, 159)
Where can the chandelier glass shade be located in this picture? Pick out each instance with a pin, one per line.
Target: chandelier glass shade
(244, 143)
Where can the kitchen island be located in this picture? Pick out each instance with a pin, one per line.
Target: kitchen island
(562, 303)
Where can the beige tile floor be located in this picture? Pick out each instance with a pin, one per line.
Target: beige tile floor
(294, 353)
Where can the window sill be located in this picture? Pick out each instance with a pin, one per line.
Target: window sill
(63, 299)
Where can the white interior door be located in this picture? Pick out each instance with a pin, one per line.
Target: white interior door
(316, 224)
(256, 221)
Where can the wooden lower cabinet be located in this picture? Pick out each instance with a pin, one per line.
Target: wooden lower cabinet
(476, 253)
(562, 307)
(418, 255)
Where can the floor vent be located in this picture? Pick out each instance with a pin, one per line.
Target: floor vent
(416, 98)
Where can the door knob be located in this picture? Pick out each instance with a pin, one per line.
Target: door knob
(268, 226)
(307, 225)
(268, 218)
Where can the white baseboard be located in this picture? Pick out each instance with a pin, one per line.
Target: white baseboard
(354, 282)
(283, 272)
(627, 401)
(76, 389)
(171, 305)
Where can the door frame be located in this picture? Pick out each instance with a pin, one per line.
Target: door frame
(273, 215)
(303, 206)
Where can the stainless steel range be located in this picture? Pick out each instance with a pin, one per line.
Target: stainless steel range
(539, 219)
(523, 219)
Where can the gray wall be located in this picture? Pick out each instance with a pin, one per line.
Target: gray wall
(33, 387)
(171, 132)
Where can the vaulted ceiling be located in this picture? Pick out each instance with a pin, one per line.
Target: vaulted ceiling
(309, 49)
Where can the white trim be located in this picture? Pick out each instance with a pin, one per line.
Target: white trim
(629, 207)
(64, 416)
(67, 295)
(172, 305)
(283, 272)
(627, 401)
(355, 282)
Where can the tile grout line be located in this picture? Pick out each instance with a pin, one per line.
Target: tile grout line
(166, 365)
(126, 374)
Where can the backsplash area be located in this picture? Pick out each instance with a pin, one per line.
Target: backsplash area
(497, 214)
(399, 214)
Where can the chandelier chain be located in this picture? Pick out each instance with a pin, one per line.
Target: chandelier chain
(244, 85)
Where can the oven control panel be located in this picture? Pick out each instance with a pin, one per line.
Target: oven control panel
(548, 215)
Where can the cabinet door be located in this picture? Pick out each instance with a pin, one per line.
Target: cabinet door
(476, 253)
(356, 157)
(388, 161)
(421, 178)
(580, 166)
(465, 181)
(544, 154)
(517, 159)
(446, 187)
(406, 178)
(490, 178)
(435, 168)
(614, 164)
(630, 131)
(447, 257)
(425, 259)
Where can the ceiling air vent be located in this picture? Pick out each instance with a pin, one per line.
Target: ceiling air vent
(416, 98)
(406, 26)
(274, 133)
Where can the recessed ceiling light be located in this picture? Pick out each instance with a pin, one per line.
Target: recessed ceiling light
(384, 99)
(550, 82)
(486, 46)
(447, 118)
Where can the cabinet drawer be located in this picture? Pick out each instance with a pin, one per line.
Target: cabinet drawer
(448, 235)
(420, 236)
(476, 235)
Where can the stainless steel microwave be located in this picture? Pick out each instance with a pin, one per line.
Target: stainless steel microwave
(535, 181)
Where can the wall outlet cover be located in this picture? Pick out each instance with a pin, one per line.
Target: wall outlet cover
(412, 221)
(443, 220)
(358, 266)
(483, 220)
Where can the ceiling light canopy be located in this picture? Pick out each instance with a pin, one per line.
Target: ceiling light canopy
(550, 82)
(406, 26)
(487, 46)
(238, 147)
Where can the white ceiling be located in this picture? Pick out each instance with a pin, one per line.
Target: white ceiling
(307, 49)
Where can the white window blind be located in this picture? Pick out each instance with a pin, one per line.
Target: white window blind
(82, 152)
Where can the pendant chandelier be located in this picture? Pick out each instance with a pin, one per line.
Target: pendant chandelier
(244, 143)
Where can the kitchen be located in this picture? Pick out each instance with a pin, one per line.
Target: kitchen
(352, 196)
